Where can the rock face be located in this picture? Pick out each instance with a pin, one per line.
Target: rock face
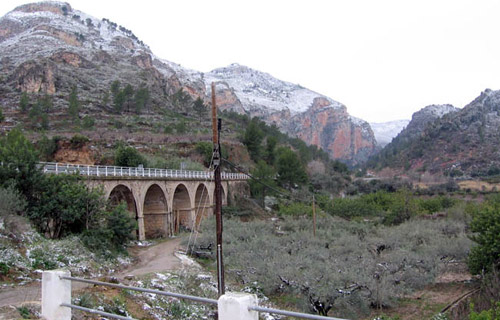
(331, 128)
(49, 47)
(312, 117)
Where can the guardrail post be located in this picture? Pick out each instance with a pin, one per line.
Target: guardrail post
(54, 292)
(234, 305)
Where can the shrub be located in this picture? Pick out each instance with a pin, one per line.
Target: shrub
(295, 209)
(113, 233)
(206, 150)
(88, 122)
(78, 141)
(486, 228)
(129, 157)
(490, 314)
(12, 202)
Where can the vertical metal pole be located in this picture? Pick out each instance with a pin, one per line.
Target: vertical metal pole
(216, 127)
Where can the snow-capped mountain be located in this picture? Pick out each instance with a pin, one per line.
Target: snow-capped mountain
(385, 131)
(49, 47)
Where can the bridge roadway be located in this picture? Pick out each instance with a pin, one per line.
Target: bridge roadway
(161, 200)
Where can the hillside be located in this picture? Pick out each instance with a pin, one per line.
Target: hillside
(443, 140)
(49, 48)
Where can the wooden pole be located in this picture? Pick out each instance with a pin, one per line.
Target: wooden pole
(216, 126)
(314, 217)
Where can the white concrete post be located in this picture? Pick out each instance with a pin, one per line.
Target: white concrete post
(54, 292)
(234, 305)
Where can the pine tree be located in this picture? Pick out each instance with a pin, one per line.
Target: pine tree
(141, 99)
(253, 139)
(74, 104)
(199, 107)
(24, 102)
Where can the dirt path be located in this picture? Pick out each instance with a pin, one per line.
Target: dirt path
(160, 257)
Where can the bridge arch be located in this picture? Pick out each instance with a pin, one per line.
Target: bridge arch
(202, 203)
(122, 193)
(155, 212)
(182, 207)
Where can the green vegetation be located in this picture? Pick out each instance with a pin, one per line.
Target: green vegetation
(486, 254)
(74, 105)
(24, 102)
(57, 205)
(78, 141)
(199, 108)
(347, 269)
(2, 117)
(390, 207)
(490, 314)
(129, 157)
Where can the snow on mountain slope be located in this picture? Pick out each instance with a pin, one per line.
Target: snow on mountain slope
(259, 90)
(386, 131)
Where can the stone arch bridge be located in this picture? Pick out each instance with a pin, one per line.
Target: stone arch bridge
(161, 200)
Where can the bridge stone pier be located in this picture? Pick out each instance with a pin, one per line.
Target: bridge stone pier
(161, 201)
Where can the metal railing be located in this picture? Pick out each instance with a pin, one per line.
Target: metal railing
(114, 171)
(244, 308)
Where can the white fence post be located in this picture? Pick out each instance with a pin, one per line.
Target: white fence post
(54, 292)
(234, 305)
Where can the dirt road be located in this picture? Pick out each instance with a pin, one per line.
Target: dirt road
(156, 258)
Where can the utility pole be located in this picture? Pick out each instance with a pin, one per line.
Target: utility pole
(216, 127)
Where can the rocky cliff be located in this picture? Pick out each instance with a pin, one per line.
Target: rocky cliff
(49, 48)
(310, 116)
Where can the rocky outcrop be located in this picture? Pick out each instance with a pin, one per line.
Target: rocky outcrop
(66, 37)
(34, 77)
(335, 131)
(227, 98)
(423, 117)
(66, 153)
(72, 59)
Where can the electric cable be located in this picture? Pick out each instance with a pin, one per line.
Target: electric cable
(289, 195)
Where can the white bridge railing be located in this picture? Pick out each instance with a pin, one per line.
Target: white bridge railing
(113, 171)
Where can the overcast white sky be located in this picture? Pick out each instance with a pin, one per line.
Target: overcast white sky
(383, 59)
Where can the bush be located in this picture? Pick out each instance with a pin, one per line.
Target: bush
(129, 157)
(78, 141)
(88, 122)
(491, 314)
(295, 209)
(12, 202)
(113, 233)
(206, 150)
(484, 224)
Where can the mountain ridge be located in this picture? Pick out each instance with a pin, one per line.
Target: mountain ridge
(49, 47)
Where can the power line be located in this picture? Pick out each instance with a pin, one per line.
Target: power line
(289, 195)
